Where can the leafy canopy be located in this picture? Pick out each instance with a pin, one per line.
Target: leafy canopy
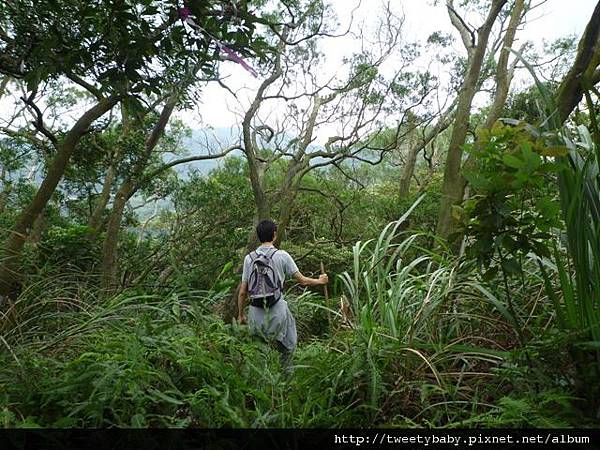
(136, 45)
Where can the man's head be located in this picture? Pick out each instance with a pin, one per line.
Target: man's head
(266, 231)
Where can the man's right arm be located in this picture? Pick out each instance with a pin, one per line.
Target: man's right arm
(292, 269)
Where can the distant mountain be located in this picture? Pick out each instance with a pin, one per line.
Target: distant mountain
(214, 140)
(202, 142)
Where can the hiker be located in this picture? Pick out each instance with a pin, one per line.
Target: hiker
(265, 270)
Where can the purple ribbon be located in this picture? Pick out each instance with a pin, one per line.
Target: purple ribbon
(184, 13)
(238, 59)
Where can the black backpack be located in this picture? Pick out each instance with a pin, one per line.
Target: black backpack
(264, 289)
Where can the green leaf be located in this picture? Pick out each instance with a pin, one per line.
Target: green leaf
(477, 181)
(532, 159)
(490, 274)
(165, 397)
(554, 151)
(138, 421)
(590, 345)
(511, 266)
(513, 161)
(548, 208)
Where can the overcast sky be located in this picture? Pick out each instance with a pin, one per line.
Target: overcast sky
(555, 18)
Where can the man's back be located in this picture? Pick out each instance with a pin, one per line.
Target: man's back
(283, 263)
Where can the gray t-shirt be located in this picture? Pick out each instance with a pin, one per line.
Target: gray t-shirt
(283, 264)
(276, 322)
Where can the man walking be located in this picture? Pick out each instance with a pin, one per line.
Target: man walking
(265, 270)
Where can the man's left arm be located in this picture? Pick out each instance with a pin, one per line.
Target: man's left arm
(243, 293)
(243, 290)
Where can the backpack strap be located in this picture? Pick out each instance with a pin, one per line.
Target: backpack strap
(271, 255)
(270, 258)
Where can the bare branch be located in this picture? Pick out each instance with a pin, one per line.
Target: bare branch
(38, 123)
(87, 86)
(503, 71)
(188, 159)
(284, 38)
(466, 33)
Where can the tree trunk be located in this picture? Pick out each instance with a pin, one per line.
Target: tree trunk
(95, 221)
(504, 76)
(14, 243)
(570, 91)
(430, 164)
(111, 241)
(285, 213)
(409, 167)
(4, 198)
(38, 227)
(504, 73)
(452, 187)
(3, 83)
(256, 173)
(263, 208)
(261, 202)
(6, 188)
(127, 189)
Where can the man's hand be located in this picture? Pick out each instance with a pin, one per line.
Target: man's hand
(323, 278)
(242, 318)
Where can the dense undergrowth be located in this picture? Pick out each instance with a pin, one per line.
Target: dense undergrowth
(449, 357)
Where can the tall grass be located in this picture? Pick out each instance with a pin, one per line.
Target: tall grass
(577, 266)
(426, 317)
(579, 187)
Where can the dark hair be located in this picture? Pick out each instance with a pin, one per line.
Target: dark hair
(266, 230)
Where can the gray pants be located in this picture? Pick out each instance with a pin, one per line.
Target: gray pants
(285, 354)
(285, 358)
